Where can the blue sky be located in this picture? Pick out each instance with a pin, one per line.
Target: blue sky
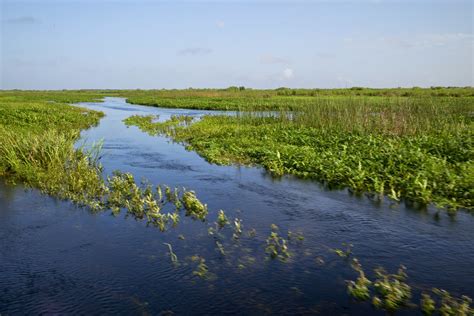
(261, 44)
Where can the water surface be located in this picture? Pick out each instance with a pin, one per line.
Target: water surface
(58, 258)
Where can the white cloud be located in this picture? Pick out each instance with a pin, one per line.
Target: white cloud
(220, 24)
(288, 73)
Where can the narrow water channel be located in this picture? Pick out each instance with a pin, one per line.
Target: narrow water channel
(58, 258)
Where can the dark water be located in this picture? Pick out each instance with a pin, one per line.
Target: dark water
(58, 258)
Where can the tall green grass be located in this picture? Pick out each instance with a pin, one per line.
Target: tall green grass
(417, 149)
(37, 147)
(278, 99)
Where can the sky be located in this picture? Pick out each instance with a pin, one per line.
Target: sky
(64, 44)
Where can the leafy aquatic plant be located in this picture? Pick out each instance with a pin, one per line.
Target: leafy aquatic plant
(448, 305)
(222, 219)
(277, 247)
(392, 293)
(359, 289)
(344, 253)
(295, 236)
(427, 304)
(193, 206)
(202, 269)
(237, 228)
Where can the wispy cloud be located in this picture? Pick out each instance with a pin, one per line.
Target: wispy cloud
(220, 24)
(288, 73)
(445, 39)
(24, 20)
(272, 59)
(416, 41)
(194, 51)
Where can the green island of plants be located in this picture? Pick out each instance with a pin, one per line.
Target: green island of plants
(417, 148)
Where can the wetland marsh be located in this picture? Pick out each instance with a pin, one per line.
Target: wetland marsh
(281, 244)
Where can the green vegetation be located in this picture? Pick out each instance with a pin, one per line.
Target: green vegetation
(418, 149)
(37, 147)
(359, 289)
(390, 292)
(38, 133)
(277, 246)
(449, 305)
(202, 270)
(235, 98)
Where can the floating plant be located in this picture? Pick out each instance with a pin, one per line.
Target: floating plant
(344, 253)
(392, 293)
(277, 247)
(222, 219)
(237, 228)
(359, 289)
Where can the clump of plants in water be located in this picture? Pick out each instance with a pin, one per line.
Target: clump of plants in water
(277, 246)
(237, 228)
(193, 206)
(447, 305)
(202, 270)
(145, 202)
(222, 219)
(344, 253)
(359, 289)
(392, 293)
(152, 126)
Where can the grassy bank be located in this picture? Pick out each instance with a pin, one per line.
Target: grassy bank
(418, 149)
(38, 132)
(242, 99)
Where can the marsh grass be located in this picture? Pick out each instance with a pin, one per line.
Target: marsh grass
(37, 147)
(277, 99)
(415, 149)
